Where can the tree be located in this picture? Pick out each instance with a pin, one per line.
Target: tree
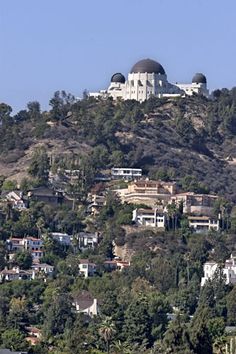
(177, 337)
(14, 339)
(34, 110)
(137, 325)
(58, 313)
(39, 166)
(231, 307)
(18, 311)
(9, 185)
(23, 259)
(107, 330)
(199, 333)
(5, 112)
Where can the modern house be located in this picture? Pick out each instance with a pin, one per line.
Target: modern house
(62, 238)
(203, 223)
(147, 192)
(149, 217)
(96, 202)
(126, 173)
(197, 204)
(87, 240)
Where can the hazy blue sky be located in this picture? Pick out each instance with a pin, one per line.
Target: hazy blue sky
(49, 45)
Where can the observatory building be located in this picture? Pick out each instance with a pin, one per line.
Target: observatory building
(148, 78)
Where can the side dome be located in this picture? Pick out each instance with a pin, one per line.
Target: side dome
(199, 78)
(118, 77)
(148, 66)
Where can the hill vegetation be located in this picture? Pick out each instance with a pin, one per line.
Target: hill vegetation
(156, 305)
(171, 139)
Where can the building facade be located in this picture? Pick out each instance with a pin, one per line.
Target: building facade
(148, 78)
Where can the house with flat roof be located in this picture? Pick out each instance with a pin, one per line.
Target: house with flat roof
(126, 173)
(197, 204)
(203, 223)
(149, 217)
(147, 192)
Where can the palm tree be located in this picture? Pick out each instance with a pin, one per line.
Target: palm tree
(119, 347)
(106, 331)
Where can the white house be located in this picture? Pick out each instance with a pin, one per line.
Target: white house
(203, 223)
(31, 244)
(149, 217)
(126, 173)
(87, 239)
(229, 271)
(86, 303)
(43, 268)
(16, 274)
(87, 268)
(62, 238)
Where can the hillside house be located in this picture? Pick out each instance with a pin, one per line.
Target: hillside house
(16, 274)
(203, 223)
(87, 268)
(87, 240)
(43, 268)
(46, 195)
(31, 244)
(116, 264)
(147, 192)
(86, 303)
(149, 217)
(15, 198)
(62, 238)
(126, 173)
(96, 202)
(197, 204)
(229, 271)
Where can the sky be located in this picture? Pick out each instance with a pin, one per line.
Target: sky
(73, 45)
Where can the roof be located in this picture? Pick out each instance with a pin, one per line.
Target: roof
(118, 77)
(199, 78)
(84, 300)
(200, 218)
(148, 66)
(86, 261)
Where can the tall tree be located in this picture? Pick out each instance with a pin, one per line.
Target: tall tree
(39, 166)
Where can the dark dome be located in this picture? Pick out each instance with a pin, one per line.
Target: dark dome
(199, 78)
(148, 66)
(118, 77)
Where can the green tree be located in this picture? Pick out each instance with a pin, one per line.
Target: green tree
(23, 259)
(39, 166)
(14, 340)
(106, 331)
(138, 323)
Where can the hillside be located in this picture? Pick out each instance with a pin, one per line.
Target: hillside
(171, 138)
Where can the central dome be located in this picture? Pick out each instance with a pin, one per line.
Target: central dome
(148, 66)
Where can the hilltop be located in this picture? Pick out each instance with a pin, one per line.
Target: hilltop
(191, 139)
